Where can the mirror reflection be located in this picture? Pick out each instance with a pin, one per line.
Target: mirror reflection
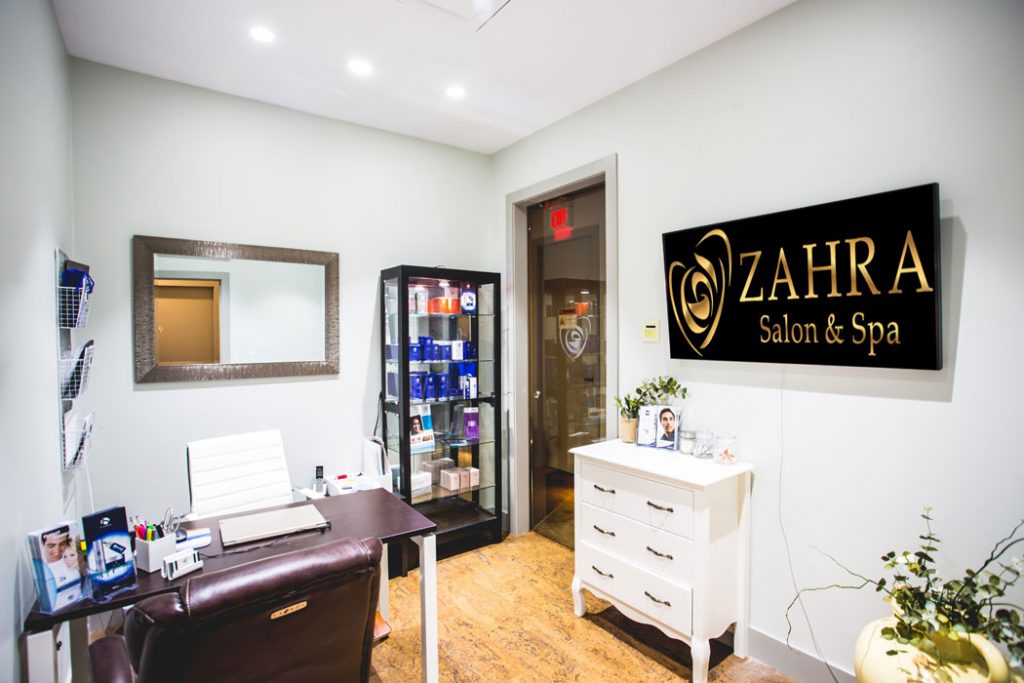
(213, 310)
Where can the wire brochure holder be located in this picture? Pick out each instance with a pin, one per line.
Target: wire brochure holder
(77, 441)
(73, 294)
(74, 372)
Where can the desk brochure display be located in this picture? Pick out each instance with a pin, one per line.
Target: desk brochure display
(57, 566)
(108, 548)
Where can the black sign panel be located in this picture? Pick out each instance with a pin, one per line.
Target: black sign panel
(853, 282)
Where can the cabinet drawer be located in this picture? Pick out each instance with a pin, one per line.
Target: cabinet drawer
(658, 552)
(650, 502)
(661, 600)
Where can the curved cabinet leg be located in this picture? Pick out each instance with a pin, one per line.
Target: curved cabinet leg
(577, 597)
(700, 652)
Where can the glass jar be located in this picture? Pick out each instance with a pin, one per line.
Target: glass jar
(687, 440)
(703, 445)
(725, 448)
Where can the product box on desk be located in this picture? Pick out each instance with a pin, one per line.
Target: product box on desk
(109, 552)
(57, 566)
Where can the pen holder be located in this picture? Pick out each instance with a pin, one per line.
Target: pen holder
(149, 555)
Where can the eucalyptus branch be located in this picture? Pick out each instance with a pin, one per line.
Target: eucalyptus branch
(799, 594)
(996, 552)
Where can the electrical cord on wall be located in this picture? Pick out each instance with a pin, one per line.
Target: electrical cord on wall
(88, 482)
(782, 528)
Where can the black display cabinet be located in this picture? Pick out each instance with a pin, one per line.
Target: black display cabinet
(441, 380)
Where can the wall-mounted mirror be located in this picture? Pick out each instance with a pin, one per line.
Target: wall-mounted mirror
(212, 310)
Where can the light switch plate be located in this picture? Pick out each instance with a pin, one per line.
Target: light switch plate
(652, 331)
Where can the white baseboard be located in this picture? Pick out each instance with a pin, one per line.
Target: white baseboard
(796, 664)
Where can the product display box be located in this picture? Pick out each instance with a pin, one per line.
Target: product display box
(421, 482)
(451, 479)
(109, 552)
(647, 426)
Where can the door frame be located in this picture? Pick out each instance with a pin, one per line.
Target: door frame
(518, 348)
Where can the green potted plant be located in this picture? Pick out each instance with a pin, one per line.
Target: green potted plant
(940, 629)
(629, 410)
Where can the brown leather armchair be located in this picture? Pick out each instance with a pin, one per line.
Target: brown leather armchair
(304, 616)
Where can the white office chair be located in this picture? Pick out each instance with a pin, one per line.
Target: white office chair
(237, 473)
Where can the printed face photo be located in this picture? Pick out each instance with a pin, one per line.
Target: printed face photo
(668, 421)
(415, 425)
(55, 544)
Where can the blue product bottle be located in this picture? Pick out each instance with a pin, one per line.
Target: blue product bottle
(416, 388)
(430, 392)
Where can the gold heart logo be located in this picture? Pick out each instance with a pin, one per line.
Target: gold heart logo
(698, 297)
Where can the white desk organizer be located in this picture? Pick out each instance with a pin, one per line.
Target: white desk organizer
(149, 555)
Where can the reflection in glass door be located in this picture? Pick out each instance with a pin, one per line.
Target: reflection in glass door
(566, 264)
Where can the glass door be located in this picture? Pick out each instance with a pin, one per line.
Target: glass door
(566, 272)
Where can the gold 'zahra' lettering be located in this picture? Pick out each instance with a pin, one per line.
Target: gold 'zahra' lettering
(862, 266)
(812, 269)
(788, 279)
(750, 277)
(910, 246)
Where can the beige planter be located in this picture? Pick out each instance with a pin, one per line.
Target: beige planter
(627, 428)
(970, 659)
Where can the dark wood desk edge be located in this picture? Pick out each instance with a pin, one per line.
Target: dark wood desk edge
(37, 622)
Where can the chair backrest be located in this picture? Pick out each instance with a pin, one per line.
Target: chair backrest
(305, 616)
(237, 473)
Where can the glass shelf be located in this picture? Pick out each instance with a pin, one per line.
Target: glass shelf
(442, 447)
(450, 315)
(392, 402)
(394, 361)
(438, 492)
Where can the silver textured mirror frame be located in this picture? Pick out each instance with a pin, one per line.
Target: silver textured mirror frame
(144, 248)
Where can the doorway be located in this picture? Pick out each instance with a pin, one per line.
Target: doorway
(566, 285)
(187, 320)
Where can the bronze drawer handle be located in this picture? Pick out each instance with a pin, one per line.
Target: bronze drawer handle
(603, 489)
(660, 602)
(660, 507)
(610, 576)
(606, 533)
(665, 555)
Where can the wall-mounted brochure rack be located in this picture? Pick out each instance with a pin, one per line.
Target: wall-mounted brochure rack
(74, 362)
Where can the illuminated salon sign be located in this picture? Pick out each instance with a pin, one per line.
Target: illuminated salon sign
(853, 282)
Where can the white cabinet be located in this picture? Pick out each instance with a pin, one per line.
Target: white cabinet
(665, 538)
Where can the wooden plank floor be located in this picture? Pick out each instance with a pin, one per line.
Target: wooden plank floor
(505, 614)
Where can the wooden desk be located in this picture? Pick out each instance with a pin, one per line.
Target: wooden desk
(365, 514)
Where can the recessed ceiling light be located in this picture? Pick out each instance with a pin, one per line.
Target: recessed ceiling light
(456, 92)
(262, 34)
(360, 67)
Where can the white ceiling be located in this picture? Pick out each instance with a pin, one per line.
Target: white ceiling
(531, 64)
